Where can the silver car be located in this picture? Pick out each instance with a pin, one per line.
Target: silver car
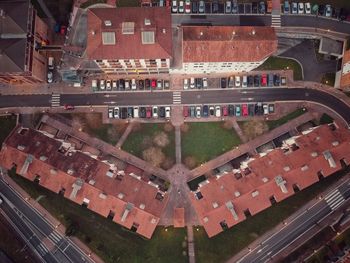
(201, 7)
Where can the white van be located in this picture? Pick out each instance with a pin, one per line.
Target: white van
(50, 63)
(244, 81)
(136, 112)
(133, 84)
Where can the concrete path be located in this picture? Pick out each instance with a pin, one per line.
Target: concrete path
(190, 242)
(125, 135)
(239, 131)
(178, 144)
(250, 146)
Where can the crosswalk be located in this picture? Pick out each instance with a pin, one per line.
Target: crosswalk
(276, 20)
(55, 100)
(55, 237)
(42, 249)
(177, 97)
(334, 199)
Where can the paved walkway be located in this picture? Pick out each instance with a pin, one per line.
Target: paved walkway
(125, 135)
(190, 242)
(178, 144)
(239, 131)
(250, 146)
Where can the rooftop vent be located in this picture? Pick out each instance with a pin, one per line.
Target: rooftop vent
(164, 31)
(110, 174)
(286, 168)
(281, 183)
(43, 158)
(142, 206)
(335, 143)
(93, 32)
(92, 182)
(121, 195)
(328, 156)
(102, 196)
(77, 185)
(265, 179)
(253, 32)
(314, 154)
(153, 220)
(205, 219)
(70, 171)
(108, 23)
(215, 204)
(53, 171)
(255, 193)
(237, 194)
(21, 147)
(147, 22)
(304, 167)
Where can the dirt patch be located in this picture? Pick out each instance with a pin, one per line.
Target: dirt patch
(154, 156)
(227, 124)
(190, 162)
(161, 139)
(254, 128)
(184, 128)
(168, 127)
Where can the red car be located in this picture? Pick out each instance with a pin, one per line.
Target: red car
(185, 111)
(148, 112)
(63, 30)
(264, 80)
(68, 107)
(245, 110)
(154, 83)
(224, 111)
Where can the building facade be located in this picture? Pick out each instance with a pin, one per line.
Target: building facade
(224, 49)
(21, 33)
(345, 72)
(131, 40)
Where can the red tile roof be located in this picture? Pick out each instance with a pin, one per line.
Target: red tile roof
(106, 193)
(228, 43)
(129, 46)
(253, 191)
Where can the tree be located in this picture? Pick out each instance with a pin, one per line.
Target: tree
(153, 155)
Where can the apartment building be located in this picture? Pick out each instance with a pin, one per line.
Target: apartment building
(345, 72)
(223, 49)
(21, 33)
(116, 192)
(133, 40)
(230, 197)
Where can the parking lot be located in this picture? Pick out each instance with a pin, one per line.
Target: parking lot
(103, 85)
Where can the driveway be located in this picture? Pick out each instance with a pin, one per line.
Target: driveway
(305, 54)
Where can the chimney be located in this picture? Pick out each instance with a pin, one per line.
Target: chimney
(281, 183)
(128, 208)
(78, 184)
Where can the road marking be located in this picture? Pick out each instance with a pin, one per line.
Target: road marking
(42, 249)
(245, 99)
(275, 20)
(177, 97)
(334, 199)
(54, 237)
(55, 100)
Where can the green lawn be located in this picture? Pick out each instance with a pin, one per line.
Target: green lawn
(326, 119)
(275, 123)
(128, 3)
(206, 140)
(276, 63)
(7, 122)
(328, 79)
(225, 245)
(110, 241)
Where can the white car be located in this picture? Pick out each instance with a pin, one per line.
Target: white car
(127, 84)
(49, 76)
(181, 7)
(133, 84)
(205, 83)
(136, 112)
(266, 109)
(217, 111)
(155, 112)
(94, 84)
(110, 113)
(102, 84)
(328, 10)
(192, 83)
(244, 81)
(228, 8)
(116, 112)
(185, 83)
(237, 81)
(198, 111)
(114, 84)
(167, 112)
(300, 8)
(307, 8)
(174, 6)
(294, 8)
(108, 85)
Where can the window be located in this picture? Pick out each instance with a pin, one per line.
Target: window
(147, 37)
(128, 28)
(273, 200)
(247, 213)
(108, 38)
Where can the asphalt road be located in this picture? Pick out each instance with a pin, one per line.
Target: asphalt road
(299, 226)
(37, 231)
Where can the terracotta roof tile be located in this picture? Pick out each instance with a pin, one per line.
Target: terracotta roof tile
(228, 43)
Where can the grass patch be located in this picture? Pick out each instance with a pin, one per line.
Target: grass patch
(144, 136)
(326, 119)
(92, 2)
(127, 3)
(253, 128)
(223, 246)
(205, 140)
(110, 241)
(275, 123)
(276, 63)
(328, 79)
(8, 122)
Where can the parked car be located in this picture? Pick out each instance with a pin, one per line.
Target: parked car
(185, 111)
(205, 83)
(108, 85)
(215, 7)
(159, 84)
(94, 85)
(148, 112)
(270, 80)
(231, 82)
(155, 112)
(205, 111)
(133, 84)
(110, 113)
(276, 79)
(224, 111)
(231, 110)
(153, 83)
(201, 7)
(127, 84)
(181, 6)
(136, 112)
(143, 112)
(102, 84)
(114, 84)
(328, 11)
(147, 83)
(217, 111)
(194, 7)
(283, 81)
(187, 6)
(199, 83)
(185, 83)
(198, 112)
(264, 80)
(234, 7)
(228, 8)
(286, 7)
(223, 83)
(250, 81)
(244, 81)
(245, 110)
(192, 111)
(238, 110)
(123, 113)
(251, 109)
(167, 112)
(161, 112)
(166, 84)
(211, 110)
(116, 112)
(174, 6)
(256, 81)
(50, 76)
(294, 8)
(307, 8)
(271, 108)
(192, 83)
(262, 7)
(237, 81)
(300, 8)
(266, 109)
(141, 84)
(121, 84)
(130, 112)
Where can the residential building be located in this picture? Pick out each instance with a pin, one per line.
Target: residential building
(133, 40)
(21, 32)
(345, 71)
(223, 49)
(230, 197)
(118, 193)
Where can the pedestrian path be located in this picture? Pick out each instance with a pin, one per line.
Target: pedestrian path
(177, 97)
(55, 100)
(55, 237)
(190, 242)
(276, 20)
(334, 199)
(42, 249)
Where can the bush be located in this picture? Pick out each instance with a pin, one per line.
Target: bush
(153, 155)
(161, 139)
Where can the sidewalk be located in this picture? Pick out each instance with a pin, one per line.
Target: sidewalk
(125, 135)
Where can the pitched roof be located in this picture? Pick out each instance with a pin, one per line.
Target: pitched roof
(345, 72)
(129, 45)
(228, 43)
(15, 16)
(253, 191)
(12, 54)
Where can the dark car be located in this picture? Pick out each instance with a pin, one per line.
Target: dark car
(251, 109)
(130, 112)
(161, 112)
(231, 110)
(270, 80)
(223, 83)
(166, 84)
(141, 84)
(276, 80)
(254, 7)
(322, 10)
(205, 111)
(123, 113)
(192, 111)
(147, 83)
(342, 14)
(211, 110)
(194, 7)
(259, 110)
(142, 112)
(199, 83)
(215, 7)
(256, 81)
(121, 84)
(250, 81)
